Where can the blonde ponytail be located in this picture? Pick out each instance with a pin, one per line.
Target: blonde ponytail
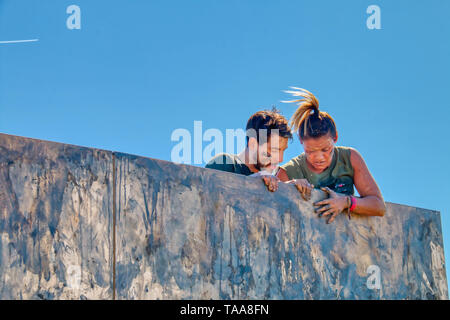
(307, 111)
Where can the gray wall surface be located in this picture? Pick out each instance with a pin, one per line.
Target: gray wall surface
(83, 223)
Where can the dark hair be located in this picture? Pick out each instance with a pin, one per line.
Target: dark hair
(268, 120)
(307, 120)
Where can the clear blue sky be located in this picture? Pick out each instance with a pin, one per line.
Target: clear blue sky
(139, 69)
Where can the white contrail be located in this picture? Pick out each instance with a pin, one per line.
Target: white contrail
(19, 41)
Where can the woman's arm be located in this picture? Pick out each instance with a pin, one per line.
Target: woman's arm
(371, 202)
(282, 175)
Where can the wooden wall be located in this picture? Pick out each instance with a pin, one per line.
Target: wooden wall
(83, 223)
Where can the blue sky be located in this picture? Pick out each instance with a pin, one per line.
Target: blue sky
(138, 70)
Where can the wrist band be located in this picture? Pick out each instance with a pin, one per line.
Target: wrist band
(349, 202)
(353, 200)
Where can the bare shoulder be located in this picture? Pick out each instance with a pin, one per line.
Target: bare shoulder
(363, 179)
(356, 159)
(366, 184)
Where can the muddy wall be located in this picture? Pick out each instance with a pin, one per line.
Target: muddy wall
(83, 223)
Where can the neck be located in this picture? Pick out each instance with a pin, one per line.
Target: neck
(245, 157)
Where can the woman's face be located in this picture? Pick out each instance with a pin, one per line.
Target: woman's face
(319, 151)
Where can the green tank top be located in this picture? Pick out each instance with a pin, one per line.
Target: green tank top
(338, 176)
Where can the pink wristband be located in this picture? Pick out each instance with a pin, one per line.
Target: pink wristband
(353, 206)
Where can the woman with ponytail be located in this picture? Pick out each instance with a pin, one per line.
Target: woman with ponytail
(323, 165)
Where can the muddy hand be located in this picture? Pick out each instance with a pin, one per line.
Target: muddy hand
(271, 182)
(304, 187)
(332, 206)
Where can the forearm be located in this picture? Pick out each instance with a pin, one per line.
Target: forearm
(370, 206)
(282, 175)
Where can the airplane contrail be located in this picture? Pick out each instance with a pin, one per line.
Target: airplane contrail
(19, 41)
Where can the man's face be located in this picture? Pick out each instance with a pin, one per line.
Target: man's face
(270, 154)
